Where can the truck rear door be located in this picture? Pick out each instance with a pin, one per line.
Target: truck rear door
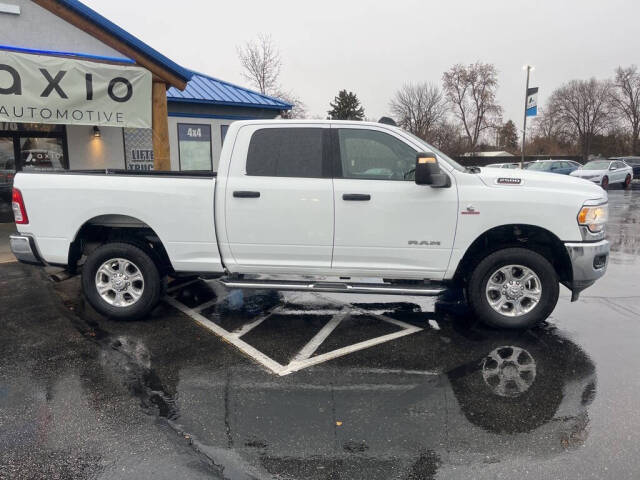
(279, 199)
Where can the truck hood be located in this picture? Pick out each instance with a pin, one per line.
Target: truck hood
(503, 178)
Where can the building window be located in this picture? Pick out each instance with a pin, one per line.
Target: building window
(194, 146)
(28, 146)
(34, 146)
(223, 133)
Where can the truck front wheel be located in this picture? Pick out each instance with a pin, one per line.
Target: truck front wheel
(121, 280)
(513, 288)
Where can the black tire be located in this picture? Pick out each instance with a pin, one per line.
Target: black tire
(153, 281)
(476, 288)
(605, 183)
(627, 182)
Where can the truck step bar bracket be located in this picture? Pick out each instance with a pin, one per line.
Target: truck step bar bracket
(339, 287)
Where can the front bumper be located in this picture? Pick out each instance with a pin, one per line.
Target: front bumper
(589, 262)
(24, 249)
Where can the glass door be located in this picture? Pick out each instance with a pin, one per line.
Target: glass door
(28, 147)
(42, 153)
(7, 172)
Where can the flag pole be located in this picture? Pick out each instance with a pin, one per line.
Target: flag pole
(524, 125)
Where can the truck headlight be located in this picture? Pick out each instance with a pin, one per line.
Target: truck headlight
(594, 217)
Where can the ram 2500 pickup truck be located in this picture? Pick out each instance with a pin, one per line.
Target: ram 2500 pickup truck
(320, 206)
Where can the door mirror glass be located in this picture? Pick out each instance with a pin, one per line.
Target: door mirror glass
(428, 172)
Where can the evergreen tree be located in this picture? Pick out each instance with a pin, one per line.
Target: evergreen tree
(346, 106)
(508, 136)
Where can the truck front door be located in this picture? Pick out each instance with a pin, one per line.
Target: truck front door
(279, 200)
(386, 224)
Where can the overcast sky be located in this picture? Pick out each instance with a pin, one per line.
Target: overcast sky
(373, 47)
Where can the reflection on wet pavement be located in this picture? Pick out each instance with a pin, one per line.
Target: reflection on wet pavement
(400, 410)
(623, 229)
(86, 397)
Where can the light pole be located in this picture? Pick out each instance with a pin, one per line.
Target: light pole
(524, 123)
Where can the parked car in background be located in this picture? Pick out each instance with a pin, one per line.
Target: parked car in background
(503, 165)
(606, 172)
(564, 167)
(633, 162)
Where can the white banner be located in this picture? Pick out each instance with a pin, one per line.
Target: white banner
(43, 89)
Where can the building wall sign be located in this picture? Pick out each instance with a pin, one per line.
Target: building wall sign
(138, 149)
(43, 89)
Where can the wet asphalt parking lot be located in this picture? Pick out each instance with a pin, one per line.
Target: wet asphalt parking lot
(239, 385)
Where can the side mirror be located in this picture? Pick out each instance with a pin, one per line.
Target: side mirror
(428, 172)
(612, 167)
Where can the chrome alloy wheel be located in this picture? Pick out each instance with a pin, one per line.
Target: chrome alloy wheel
(119, 282)
(513, 290)
(509, 371)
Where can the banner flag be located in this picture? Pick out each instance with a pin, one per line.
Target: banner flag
(60, 90)
(532, 102)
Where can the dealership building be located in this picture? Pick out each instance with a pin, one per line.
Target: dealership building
(79, 92)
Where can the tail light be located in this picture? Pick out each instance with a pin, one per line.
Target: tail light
(19, 211)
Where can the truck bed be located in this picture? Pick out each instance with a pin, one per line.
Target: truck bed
(177, 206)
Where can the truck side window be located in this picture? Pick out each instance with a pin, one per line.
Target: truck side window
(374, 155)
(286, 152)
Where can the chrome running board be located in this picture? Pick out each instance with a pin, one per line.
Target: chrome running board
(338, 287)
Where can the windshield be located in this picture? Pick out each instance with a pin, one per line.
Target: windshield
(433, 149)
(539, 166)
(597, 165)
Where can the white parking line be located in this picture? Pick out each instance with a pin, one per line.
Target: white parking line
(254, 353)
(319, 337)
(246, 328)
(303, 358)
(206, 305)
(295, 366)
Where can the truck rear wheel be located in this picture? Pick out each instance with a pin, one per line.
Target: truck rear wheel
(513, 288)
(121, 280)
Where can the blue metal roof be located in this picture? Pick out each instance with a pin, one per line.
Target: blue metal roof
(126, 38)
(205, 89)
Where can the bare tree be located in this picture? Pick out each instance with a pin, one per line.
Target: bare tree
(419, 108)
(546, 125)
(261, 62)
(447, 137)
(625, 99)
(299, 109)
(471, 92)
(582, 107)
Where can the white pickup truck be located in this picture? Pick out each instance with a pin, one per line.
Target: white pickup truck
(320, 206)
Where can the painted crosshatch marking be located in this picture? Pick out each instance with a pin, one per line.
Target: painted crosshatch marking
(307, 355)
